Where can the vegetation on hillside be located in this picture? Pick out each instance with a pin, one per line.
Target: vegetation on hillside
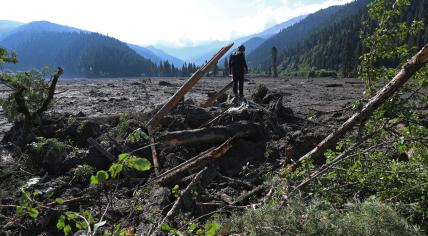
(334, 49)
(83, 54)
(290, 37)
(375, 180)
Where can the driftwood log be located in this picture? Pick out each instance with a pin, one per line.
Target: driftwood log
(193, 164)
(408, 70)
(217, 134)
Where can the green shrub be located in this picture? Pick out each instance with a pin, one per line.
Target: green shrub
(320, 218)
(83, 172)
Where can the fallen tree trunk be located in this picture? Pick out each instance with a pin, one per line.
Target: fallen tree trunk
(195, 163)
(212, 134)
(408, 70)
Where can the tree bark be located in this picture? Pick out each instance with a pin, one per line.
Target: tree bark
(408, 70)
(195, 163)
(212, 134)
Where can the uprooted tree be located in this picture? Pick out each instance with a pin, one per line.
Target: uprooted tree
(31, 95)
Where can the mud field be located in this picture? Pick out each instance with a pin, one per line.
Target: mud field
(112, 96)
(281, 120)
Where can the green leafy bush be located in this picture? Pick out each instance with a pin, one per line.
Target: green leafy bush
(125, 162)
(136, 136)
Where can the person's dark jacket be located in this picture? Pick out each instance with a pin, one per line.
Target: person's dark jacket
(237, 63)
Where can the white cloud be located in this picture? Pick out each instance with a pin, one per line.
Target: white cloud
(181, 22)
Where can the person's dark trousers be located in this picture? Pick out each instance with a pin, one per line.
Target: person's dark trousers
(238, 82)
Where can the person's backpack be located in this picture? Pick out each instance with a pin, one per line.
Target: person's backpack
(234, 60)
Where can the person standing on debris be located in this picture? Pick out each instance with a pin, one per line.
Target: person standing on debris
(237, 68)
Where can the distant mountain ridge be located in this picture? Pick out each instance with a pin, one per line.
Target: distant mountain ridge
(81, 54)
(7, 25)
(278, 27)
(338, 47)
(292, 35)
(199, 54)
(165, 57)
(14, 28)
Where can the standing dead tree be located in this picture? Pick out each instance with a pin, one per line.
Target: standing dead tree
(408, 70)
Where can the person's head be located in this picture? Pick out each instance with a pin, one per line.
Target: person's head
(241, 48)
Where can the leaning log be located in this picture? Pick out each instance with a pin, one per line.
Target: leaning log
(193, 164)
(217, 134)
(176, 98)
(408, 70)
(214, 97)
(99, 148)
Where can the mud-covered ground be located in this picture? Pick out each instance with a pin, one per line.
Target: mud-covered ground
(292, 117)
(112, 96)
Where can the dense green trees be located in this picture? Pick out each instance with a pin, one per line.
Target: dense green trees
(292, 36)
(83, 54)
(274, 62)
(387, 157)
(334, 44)
(338, 47)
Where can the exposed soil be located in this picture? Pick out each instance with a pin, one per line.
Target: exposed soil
(283, 122)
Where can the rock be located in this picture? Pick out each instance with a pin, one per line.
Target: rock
(80, 114)
(243, 152)
(136, 83)
(271, 96)
(49, 154)
(196, 116)
(158, 199)
(95, 159)
(284, 114)
(260, 93)
(87, 129)
(164, 83)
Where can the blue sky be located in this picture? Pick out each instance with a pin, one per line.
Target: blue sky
(167, 22)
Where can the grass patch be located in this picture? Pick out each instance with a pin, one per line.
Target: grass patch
(321, 218)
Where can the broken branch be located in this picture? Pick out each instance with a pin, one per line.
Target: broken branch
(178, 202)
(195, 163)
